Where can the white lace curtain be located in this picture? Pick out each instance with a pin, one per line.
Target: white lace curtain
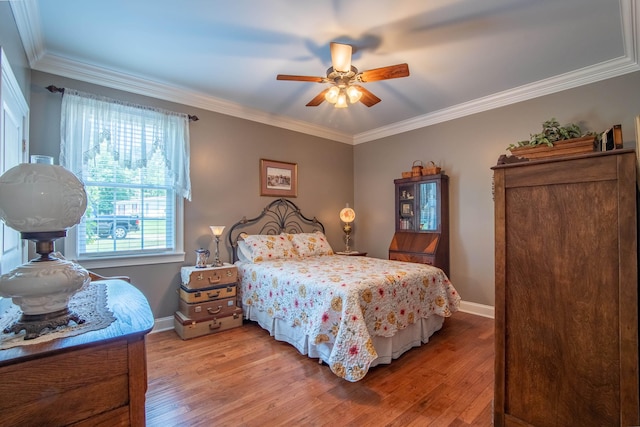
(134, 133)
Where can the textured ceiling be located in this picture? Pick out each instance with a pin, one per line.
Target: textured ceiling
(464, 56)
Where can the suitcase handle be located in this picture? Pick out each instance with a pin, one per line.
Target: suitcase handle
(214, 325)
(213, 294)
(215, 279)
(212, 311)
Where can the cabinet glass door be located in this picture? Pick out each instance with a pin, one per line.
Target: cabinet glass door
(428, 210)
(406, 206)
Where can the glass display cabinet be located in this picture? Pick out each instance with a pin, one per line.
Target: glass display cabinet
(422, 221)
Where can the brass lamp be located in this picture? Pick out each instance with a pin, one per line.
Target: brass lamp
(217, 231)
(347, 215)
(41, 201)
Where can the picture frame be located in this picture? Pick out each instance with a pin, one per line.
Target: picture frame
(405, 209)
(278, 178)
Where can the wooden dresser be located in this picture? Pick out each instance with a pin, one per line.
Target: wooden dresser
(567, 292)
(96, 378)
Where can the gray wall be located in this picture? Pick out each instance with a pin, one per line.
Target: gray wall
(225, 157)
(467, 148)
(12, 46)
(226, 152)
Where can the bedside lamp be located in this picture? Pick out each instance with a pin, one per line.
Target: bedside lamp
(217, 231)
(347, 215)
(41, 201)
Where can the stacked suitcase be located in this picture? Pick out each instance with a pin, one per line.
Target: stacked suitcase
(208, 301)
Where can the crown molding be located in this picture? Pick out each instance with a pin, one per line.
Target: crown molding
(592, 74)
(25, 13)
(143, 86)
(27, 20)
(628, 63)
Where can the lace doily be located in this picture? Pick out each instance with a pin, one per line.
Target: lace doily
(90, 303)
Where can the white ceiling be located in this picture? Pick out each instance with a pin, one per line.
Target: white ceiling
(464, 56)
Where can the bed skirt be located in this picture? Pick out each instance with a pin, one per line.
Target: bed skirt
(387, 348)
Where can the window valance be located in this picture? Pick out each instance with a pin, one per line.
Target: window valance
(132, 133)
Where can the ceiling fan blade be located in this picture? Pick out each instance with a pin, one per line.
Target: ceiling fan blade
(385, 73)
(300, 78)
(318, 99)
(341, 56)
(368, 98)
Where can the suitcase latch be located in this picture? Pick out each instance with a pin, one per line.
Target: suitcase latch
(215, 324)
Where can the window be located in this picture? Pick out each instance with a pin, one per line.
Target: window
(134, 162)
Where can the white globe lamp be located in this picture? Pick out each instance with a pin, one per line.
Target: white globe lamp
(41, 201)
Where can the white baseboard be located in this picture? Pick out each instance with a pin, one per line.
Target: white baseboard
(477, 309)
(166, 323)
(163, 324)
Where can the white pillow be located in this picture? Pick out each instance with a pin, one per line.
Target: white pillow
(243, 252)
(311, 244)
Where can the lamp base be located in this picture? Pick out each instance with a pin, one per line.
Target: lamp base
(42, 290)
(347, 236)
(35, 324)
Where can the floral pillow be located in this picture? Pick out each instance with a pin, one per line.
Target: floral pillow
(310, 244)
(259, 247)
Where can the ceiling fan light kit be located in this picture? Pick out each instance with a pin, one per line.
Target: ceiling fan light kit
(343, 79)
(354, 94)
(338, 95)
(332, 95)
(341, 56)
(342, 100)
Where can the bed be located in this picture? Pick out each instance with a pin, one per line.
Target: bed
(351, 312)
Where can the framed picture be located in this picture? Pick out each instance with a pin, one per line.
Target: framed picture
(278, 178)
(405, 209)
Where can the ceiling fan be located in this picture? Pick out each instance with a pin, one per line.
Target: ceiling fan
(344, 79)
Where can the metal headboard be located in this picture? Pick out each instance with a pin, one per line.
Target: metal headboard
(281, 215)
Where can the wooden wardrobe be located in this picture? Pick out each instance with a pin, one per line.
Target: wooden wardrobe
(566, 326)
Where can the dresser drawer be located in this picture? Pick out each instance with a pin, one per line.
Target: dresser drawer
(207, 294)
(65, 388)
(207, 277)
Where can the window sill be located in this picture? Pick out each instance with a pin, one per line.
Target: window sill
(90, 263)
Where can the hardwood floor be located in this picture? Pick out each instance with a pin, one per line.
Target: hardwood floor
(243, 377)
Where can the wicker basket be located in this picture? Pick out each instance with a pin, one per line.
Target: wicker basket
(416, 169)
(406, 174)
(431, 169)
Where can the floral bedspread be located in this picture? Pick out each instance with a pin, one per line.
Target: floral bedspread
(346, 300)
